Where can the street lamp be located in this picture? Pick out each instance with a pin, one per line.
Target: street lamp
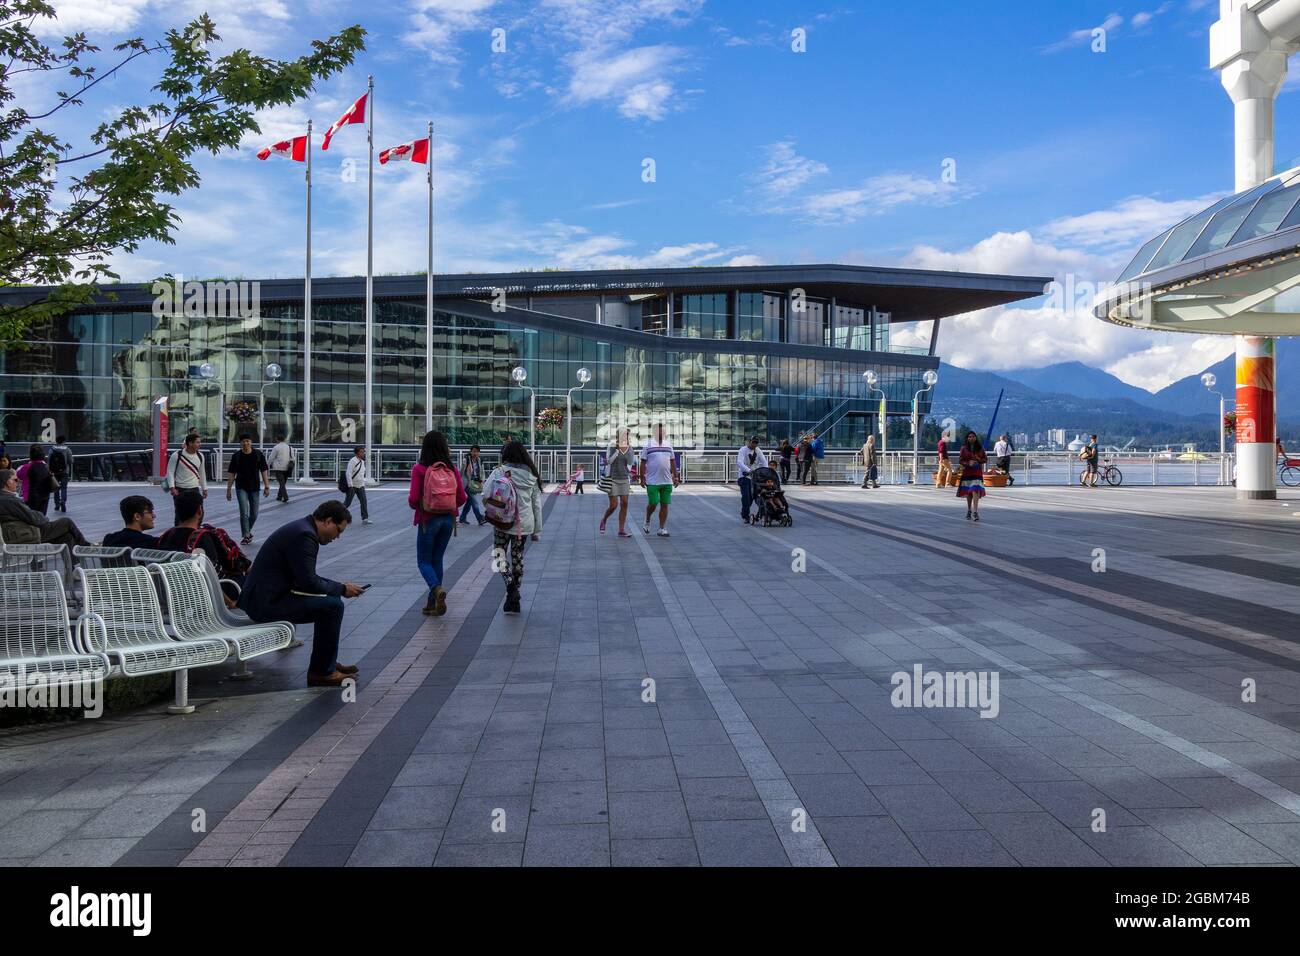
(871, 378)
(931, 379)
(519, 375)
(1209, 380)
(273, 373)
(584, 376)
(208, 372)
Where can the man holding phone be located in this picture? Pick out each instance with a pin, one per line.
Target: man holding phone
(283, 586)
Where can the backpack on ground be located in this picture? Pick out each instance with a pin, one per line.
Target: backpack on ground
(438, 496)
(500, 501)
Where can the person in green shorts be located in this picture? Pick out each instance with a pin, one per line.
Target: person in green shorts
(658, 477)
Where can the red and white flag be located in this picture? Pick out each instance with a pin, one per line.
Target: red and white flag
(295, 149)
(356, 113)
(416, 151)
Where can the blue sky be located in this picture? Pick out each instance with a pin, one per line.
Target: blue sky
(1065, 158)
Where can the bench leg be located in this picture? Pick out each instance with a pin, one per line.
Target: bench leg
(182, 705)
(242, 672)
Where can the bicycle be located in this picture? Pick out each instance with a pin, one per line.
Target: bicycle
(1288, 472)
(1110, 473)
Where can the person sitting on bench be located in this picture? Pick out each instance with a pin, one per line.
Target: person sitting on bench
(22, 525)
(137, 518)
(190, 533)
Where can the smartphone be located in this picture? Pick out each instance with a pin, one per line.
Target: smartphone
(365, 588)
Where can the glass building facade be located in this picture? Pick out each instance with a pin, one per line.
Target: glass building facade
(714, 366)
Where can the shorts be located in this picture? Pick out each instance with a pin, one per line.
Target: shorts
(659, 494)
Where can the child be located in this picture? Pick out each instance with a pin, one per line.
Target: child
(578, 479)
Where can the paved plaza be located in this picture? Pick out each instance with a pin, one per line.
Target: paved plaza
(725, 696)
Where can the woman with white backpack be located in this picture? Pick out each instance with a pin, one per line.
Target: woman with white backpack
(512, 502)
(436, 496)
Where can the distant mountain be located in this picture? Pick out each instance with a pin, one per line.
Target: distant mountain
(1075, 378)
(970, 397)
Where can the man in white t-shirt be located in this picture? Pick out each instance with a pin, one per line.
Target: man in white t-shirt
(658, 477)
(1002, 452)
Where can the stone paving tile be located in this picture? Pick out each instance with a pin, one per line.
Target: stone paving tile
(648, 814)
(654, 852)
(412, 847)
(567, 845)
(738, 843)
(868, 841)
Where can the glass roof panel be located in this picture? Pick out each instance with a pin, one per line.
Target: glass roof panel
(1137, 266)
(1267, 216)
(1227, 220)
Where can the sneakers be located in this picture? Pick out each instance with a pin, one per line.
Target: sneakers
(646, 527)
(624, 534)
(366, 521)
(602, 525)
(663, 533)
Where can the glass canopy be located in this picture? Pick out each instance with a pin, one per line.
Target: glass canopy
(1270, 207)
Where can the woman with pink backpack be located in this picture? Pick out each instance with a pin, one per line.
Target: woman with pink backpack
(436, 496)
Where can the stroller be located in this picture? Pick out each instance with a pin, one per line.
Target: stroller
(772, 506)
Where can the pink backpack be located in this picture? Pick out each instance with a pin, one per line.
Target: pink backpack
(438, 496)
(500, 502)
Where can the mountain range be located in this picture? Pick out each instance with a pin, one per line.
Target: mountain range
(1082, 399)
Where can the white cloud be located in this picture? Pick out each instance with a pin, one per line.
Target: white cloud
(437, 23)
(1083, 253)
(1128, 223)
(785, 171)
(1085, 35)
(636, 78)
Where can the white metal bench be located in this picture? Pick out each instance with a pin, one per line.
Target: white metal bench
(32, 557)
(193, 614)
(147, 556)
(98, 556)
(123, 619)
(35, 637)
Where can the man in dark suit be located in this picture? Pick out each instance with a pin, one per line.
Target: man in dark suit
(283, 586)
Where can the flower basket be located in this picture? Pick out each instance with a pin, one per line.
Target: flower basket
(550, 418)
(242, 412)
(1230, 423)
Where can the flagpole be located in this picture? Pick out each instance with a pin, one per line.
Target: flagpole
(304, 476)
(428, 300)
(370, 277)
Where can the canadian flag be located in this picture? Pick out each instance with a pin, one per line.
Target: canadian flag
(416, 151)
(356, 113)
(295, 149)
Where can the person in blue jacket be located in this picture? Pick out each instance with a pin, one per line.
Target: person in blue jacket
(818, 453)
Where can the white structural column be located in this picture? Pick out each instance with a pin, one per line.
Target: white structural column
(304, 471)
(1249, 46)
(369, 417)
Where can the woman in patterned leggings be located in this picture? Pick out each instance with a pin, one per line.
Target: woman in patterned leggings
(508, 546)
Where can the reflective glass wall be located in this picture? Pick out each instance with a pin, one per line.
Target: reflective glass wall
(95, 375)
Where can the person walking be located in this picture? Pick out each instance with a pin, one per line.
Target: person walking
(524, 494)
(282, 462)
(471, 476)
(805, 458)
(60, 462)
(618, 470)
(870, 463)
(437, 494)
(785, 452)
(578, 478)
(945, 462)
(658, 477)
(357, 474)
(971, 487)
(1002, 452)
(283, 585)
(247, 475)
(38, 484)
(185, 473)
(749, 457)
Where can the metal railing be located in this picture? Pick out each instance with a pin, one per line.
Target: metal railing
(717, 465)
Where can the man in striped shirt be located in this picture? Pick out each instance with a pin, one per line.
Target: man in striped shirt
(185, 473)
